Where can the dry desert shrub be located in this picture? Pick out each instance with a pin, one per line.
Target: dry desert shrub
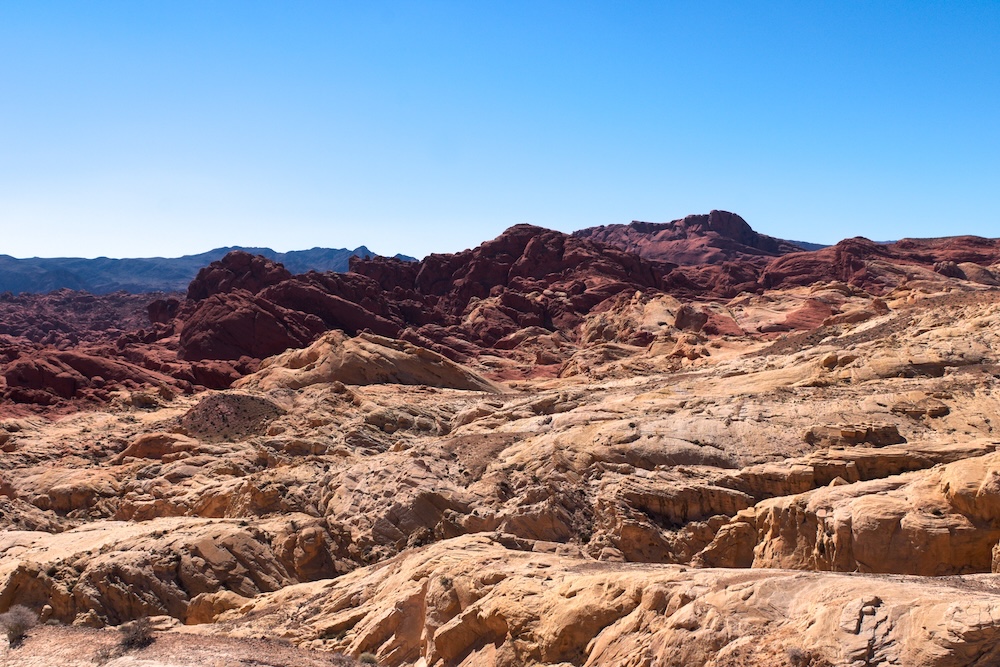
(136, 635)
(16, 622)
(105, 654)
(341, 660)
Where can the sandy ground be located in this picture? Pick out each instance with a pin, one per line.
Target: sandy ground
(62, 646)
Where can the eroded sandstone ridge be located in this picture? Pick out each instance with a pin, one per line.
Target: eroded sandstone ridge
(543, 451)
(696, 239)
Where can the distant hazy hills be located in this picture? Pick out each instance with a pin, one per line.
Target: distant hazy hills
(151, 274)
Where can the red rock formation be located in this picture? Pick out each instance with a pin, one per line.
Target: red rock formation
(66, 318)
(238, 323)
(237, 270)
(532, 278)
(697, 239)
(877, 266)
(720, 255)
(846, 262)
(526, 277)
(524, 293)
(68, 374)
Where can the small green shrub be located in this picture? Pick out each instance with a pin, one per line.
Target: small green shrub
(368, 659)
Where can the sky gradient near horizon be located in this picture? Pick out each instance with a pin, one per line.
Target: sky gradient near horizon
(133, 129)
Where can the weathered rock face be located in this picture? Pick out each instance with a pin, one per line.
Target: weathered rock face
(237, 270)
(459, 305)
(241, 324)
(112, 572)
(532, 300)
(475, 601)
(470, 303)
(931, 523)
(67, 373)
(720, 254)
(879, 267)
(697, 239)
(365, 359)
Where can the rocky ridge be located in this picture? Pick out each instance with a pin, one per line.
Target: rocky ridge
(696, 239)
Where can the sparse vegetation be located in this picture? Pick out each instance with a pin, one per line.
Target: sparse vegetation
(136, 635)
(16, 622)
(105, 654)
(341, 660)
(799, 657)
(368, 659)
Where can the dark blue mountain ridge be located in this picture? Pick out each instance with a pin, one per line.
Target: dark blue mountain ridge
(103, 275)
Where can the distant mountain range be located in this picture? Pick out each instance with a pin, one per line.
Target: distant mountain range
(151, 274)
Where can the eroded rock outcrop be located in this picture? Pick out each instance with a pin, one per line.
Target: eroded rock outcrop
(473, 601)
(362, 360)
(114, 572)
(694, 240)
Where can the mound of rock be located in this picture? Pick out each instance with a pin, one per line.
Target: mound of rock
(46, 376)
(696, 239)
(230, 416)
(362, 360)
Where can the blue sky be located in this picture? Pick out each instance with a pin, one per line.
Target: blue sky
(168, 128)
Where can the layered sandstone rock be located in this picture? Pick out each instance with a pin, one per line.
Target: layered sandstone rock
(365, 359)
(524, 304)
(474, 601)
(112, 572)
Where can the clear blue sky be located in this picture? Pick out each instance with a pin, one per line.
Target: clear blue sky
(166, 128)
